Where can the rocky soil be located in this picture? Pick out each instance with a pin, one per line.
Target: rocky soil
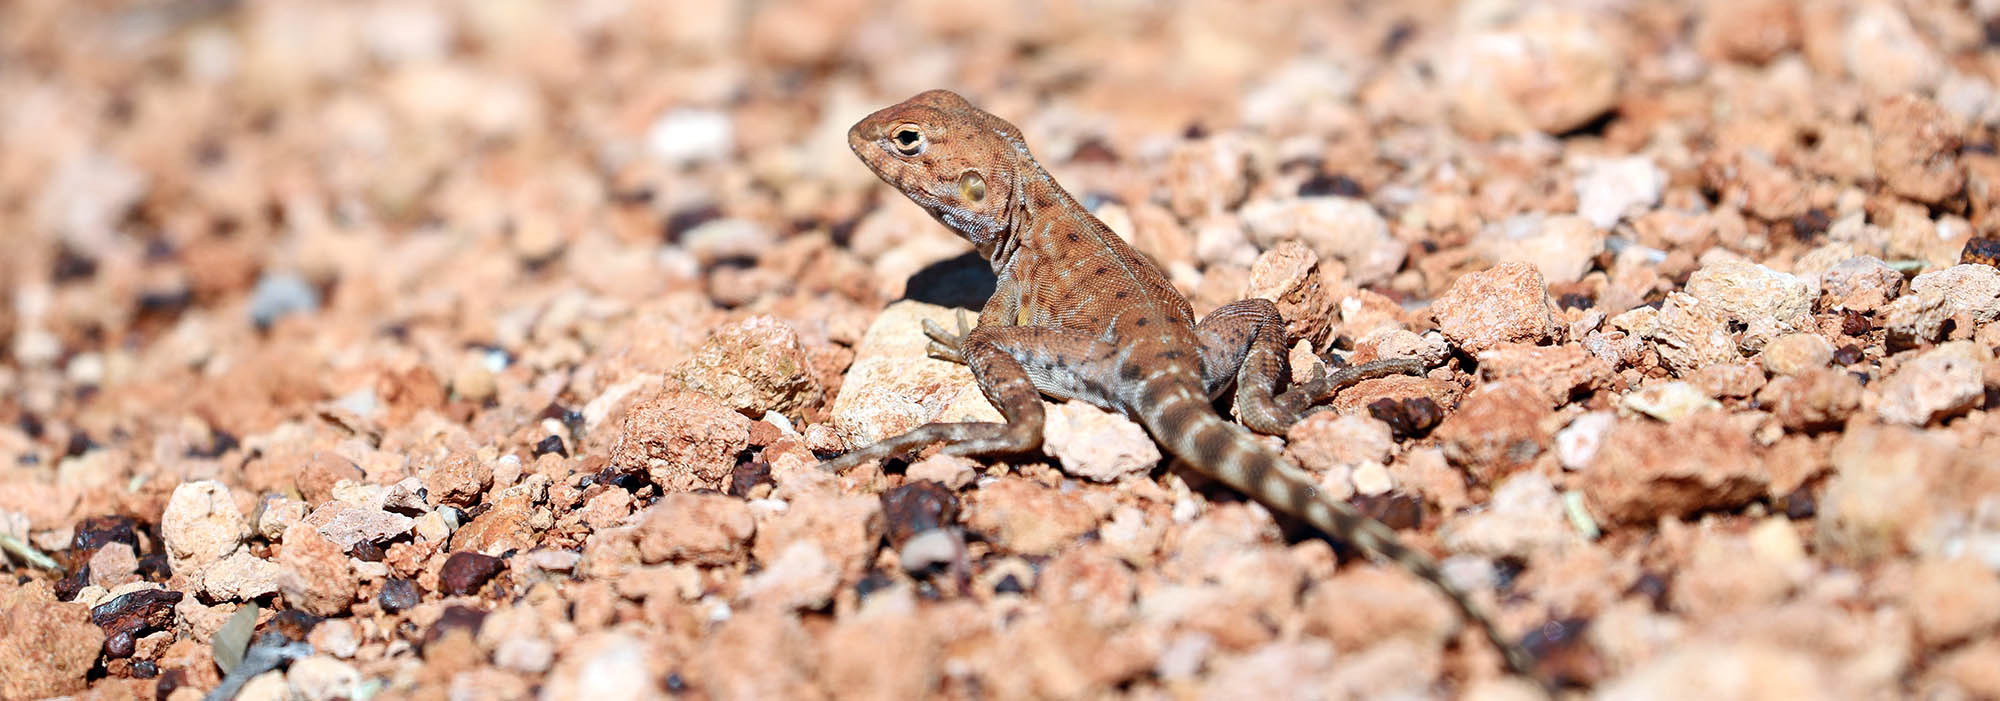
(485, 349)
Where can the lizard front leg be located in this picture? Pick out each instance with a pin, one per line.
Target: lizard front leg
(1014, 366)
(1245, 342)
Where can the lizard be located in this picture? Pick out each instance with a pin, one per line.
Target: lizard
(1077, 313)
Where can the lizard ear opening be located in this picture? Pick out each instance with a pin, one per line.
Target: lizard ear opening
(972, 187)
(907, 139)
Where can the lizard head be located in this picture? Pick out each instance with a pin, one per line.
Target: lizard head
(954, 160)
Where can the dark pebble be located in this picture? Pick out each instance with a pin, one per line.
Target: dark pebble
(1408, 418)
(399, 595)
(128, 615)
(747, 476)
(916, 507)
(465, 572)
(98, 531)
(551, 444)
(455, 617)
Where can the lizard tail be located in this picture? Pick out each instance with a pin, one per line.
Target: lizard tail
(1185, 422)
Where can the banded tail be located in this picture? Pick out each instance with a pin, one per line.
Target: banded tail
(1183, 420)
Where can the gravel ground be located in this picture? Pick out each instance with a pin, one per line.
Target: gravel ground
(485, 348)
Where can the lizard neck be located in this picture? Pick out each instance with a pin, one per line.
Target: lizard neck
(1040, 208)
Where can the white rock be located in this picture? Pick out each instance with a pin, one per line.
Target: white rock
(894, 386)
(1728, 308)
(1886, 54)
(1096, 444)
(200, 525)
(1943, 381)
(321, 678)
(1608, 188)
(1668, 401)
(1578, 442)
(1968, 294)
(1525, 516)
(684, 136)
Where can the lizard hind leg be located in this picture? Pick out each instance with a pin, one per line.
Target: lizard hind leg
(1244, 343)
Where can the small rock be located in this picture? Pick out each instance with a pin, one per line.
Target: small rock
(697, 528)
(754, 366)
(1943, 382)
(1208, 176)
(1645, 470)
(1557, 373)
(1507, 303)
(50, 646)
(1861, 283)
(916, 507)
(346, 525)
(801, 578)
(281, 294)
(339, 637)
(848, 530)
(464, 573)
(1953, 600)
(1883, 51)
(1668, 401)
(1751, 31)
(1524, 517)
(1577, 443)
(682, 441)
(113, 565)
(398, 595)
(472, 378)
(1813, 400)
(953, 471)
(1289, 276)
(1916, 148)
(1496, 430)
(1735, 380)
(1325, 440)
(240, 577)
(1096, 444)
(894, 386)
(201, 524)
(321, 472)
(1889, 486)
(1550, 71)
(607, 665)
(1796, 354)
(1393, 343)
(1563, 248)
(279, 514)
(1026, 518)
(1967, 295)
(313, 572)
(685, 136)
(458, 480)
(1700, 325)
(1335, 228)
(1607, 190)
(322, 678)
(129, 615)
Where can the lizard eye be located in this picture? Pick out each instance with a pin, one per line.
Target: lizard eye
(971, 186)
(907, 140)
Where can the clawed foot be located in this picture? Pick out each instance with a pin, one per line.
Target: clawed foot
(945, 344)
